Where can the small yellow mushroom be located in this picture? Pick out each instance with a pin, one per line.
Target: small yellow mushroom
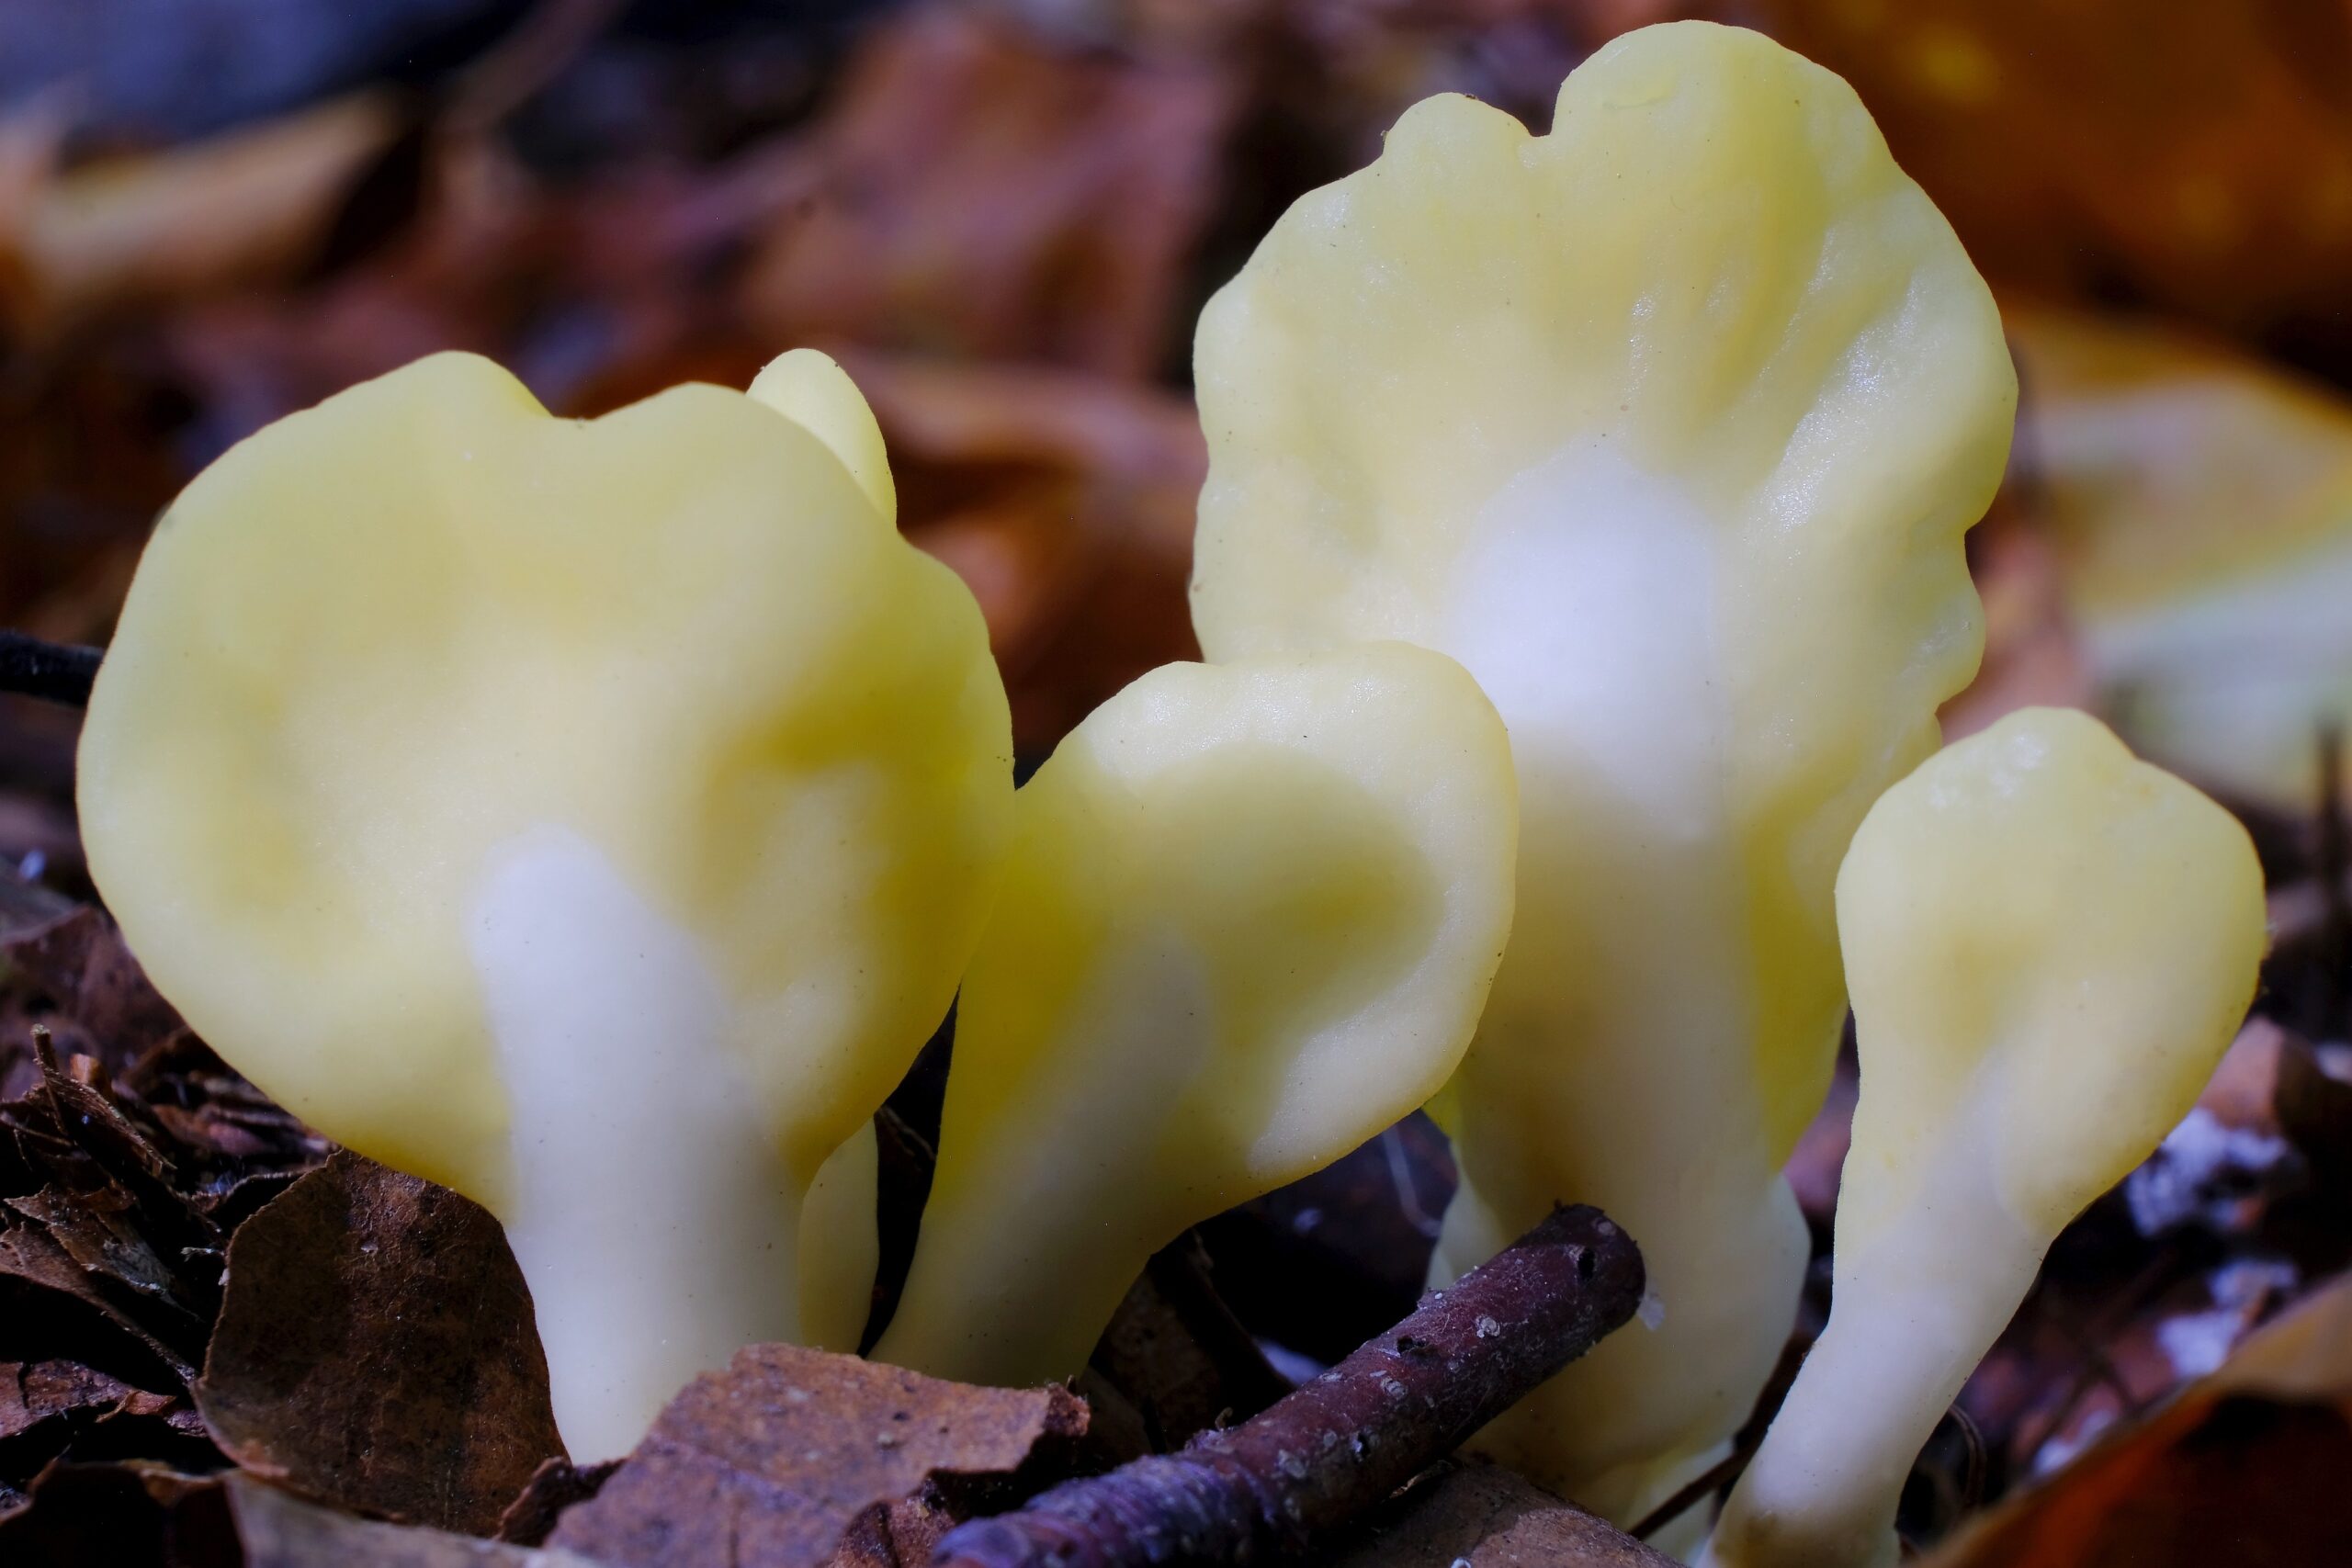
(592, 816)
(2201, 506)
(1252, 914)
(1667, 426)
(2049, 944)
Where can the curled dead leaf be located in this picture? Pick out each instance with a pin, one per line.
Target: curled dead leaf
(376, 1349)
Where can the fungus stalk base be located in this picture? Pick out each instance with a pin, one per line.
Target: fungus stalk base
(1725, 1296)
(1912, 1316)
(1022, 1263)
(1617, 1063)
(649, 1209)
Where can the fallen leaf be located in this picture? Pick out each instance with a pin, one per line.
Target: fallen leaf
(769, 1463)
(279, 1530)
(979, 194)
(49, 1407)
(101, 1231)
(902, 1534)
(2033, 653)
(2245, 1465)
(2193, 155)
(42, 1391)
(1473, 1514)
(1178, 1357)
(119, 1515)
(80, 961)
(1065, 501)
(1334, 1258)
(54, 1308)
(376, 1349)
(556, 1485)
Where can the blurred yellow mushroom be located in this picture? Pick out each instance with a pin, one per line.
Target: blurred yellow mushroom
(2049, 944)
(1252, 913)
(1669, 425)
(2202, 510)
(592, 816)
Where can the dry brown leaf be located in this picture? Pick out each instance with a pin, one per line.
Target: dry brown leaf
(376, 1349)
(2198, 155)
(1338, 1256)
(1472, 1513)
(1177, 1356)
(902, 1534)
(979, 194)
(1065, 501)
(556, 1485)
(2033, 654)
(278, 1530)
(769, 1463)
(44, 1391)
(50, 1301)
(123, 1514)
(2246, 1465)
(79, 960)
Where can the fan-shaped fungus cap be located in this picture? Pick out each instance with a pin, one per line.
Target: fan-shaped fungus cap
(1669, 425)
(1252, 914)
(2050, 944)
(592, 815)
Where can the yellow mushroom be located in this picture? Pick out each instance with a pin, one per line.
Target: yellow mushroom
(1667, 425)
(841, 1248)
(592, 815)
(1252, 913)
(2049, 944)
(2201, 506)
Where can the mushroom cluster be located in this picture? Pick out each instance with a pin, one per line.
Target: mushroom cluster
(597, 816)
(1669, 425)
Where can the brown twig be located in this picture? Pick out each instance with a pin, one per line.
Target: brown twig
(1698, 1489)
(54, 672)
(1326, 1453)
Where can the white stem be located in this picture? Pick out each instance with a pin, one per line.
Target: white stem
(1031, 1238)
(841, 1250)
(1913, 1315)
(1639, 1031)
(650, 1211)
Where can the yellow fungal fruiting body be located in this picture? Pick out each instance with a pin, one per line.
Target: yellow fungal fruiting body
(2049, 943)
(841, 1249)
(1669, 425)
(592, 815)
(808, 388)
(1252, 913)
(2203, 510)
